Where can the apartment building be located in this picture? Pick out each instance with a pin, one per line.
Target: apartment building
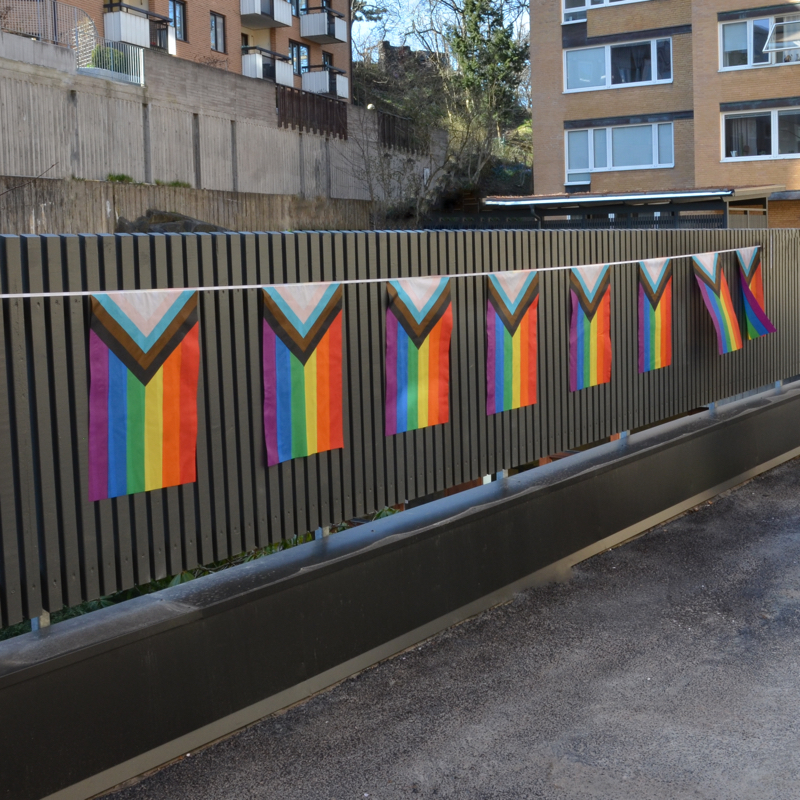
(667, 107)
(285, 41)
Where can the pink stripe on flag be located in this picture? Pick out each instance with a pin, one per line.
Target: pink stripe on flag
(391, 373)
(98, 418)
(270, 396)
(491, 403)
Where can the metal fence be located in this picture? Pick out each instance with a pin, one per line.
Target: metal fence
(315, 113)
(46, 20)
(56, 548)
(650, 222)
(117, 61)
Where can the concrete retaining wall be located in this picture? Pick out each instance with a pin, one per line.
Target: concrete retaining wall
(73, 206)
(192, 123)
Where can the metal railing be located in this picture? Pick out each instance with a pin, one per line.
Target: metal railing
(57, 548)
(61, 24)
(397, 132)
(117, 61)
(648, 222)
(316, 113)
(46, 20)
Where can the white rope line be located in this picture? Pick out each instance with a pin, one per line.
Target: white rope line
(29, 295)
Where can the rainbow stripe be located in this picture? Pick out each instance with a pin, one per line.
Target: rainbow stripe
(419, 323)
(717, 298)
(752, 282)
(590, 331)
(512, 311)
(655, 314)
(143, 434)
(302, 360)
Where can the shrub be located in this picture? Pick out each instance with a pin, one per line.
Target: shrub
(109, 58)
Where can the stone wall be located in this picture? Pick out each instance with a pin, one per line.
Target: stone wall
(75, 206)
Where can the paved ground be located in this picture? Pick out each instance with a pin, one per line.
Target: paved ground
(668, 668)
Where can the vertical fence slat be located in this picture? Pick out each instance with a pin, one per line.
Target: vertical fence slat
(11, 589)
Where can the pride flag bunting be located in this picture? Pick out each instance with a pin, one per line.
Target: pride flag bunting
(655, 314)
(512, 313)
(144, 358)
(419, 322)
(752, 280)
(590, 330)
(717, 298)
(302, 370)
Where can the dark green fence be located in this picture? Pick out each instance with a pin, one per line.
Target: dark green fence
(57, 548)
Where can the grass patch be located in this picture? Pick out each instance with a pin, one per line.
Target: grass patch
(119, 177)
(174, 184)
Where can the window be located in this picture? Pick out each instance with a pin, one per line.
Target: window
(618, 65)
(295, 4)
(327, 59)
(784, 35)
(177, 18)
(759, 43)
(299, 55)
(217, 32)
(619, 147)
(575, 10)
(750, 136)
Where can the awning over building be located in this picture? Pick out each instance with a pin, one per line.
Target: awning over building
(591, 200)
(691, 208)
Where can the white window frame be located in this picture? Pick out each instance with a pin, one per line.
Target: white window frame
(773, 54)
(609, 155)
(588, 4)
(774, 156)
(786, 19)
(607, 48)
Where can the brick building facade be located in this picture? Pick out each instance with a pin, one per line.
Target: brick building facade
(217, 33)
(643, 96)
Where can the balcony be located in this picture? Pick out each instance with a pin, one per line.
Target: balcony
(257, 62)
(323, 25)
(326, 80)
(259, 14)
(136, 25)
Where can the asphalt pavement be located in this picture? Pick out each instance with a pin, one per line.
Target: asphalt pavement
(667, 668)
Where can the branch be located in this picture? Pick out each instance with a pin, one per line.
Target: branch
(23, 185)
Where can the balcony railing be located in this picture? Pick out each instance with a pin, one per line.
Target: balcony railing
(139, 26)
(46, 20)
(261, 14)
(324, 79)
(258, 62)
(323, 25)
(315, 113)
(119, 61)
(65, 25)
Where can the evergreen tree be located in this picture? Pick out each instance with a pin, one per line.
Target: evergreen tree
(490, 63)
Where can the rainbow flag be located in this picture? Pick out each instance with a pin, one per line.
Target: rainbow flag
(419, 321)
(752, 280)
(144, 358)
(590, 331)
(717, 297)
(511, 340)
(655, 314)
(302, 370)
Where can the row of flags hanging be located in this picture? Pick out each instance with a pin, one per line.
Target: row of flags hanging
(144, 359)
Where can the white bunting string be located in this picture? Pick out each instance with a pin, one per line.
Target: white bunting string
(351, 282)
